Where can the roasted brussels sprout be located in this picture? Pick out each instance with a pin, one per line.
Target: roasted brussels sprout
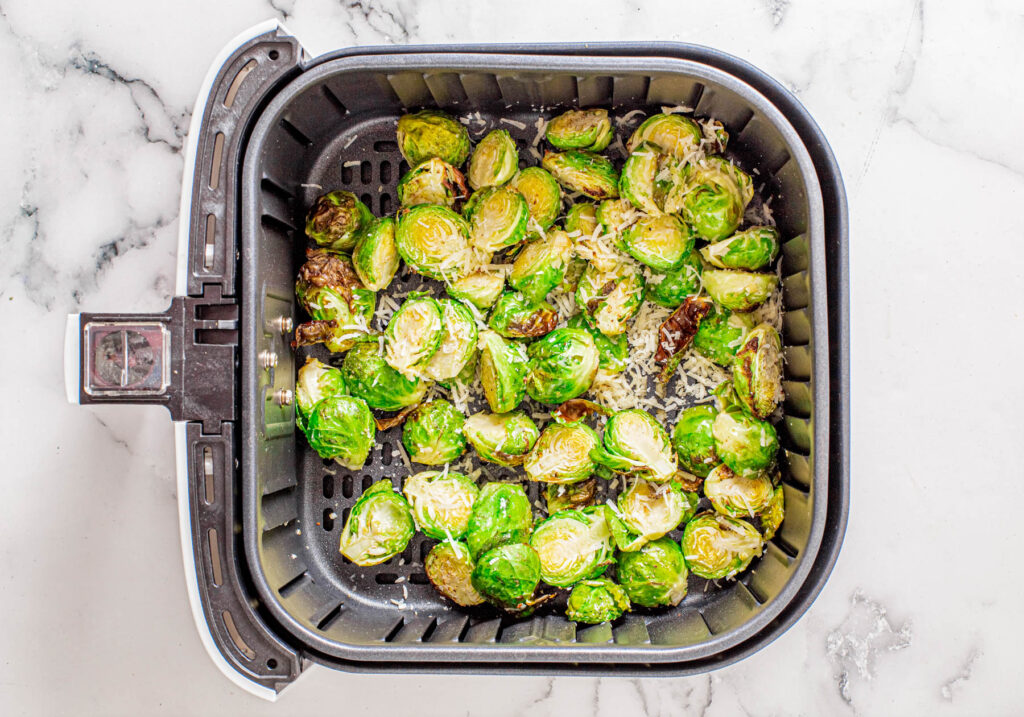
(495, 160)
(610, 299)
(636, 437)
(414, 334)
(581, 219)
(433, 181)
(573, 545)
(501, 514)
(335, 220)
(507, 576)
(562, 365)
(671, 133)
(541, 265)
(661, 242)
(711, 197)
(330, 292)
(369, 377)
(441, 502)
(672, 287)
(458, 343)
(449, 568)
(744, 443)
(542, 193)
(497, 218)
(584, 172)
(434, 241)
(717, 546)
(615, 216)
(720, 335)
(481, 288)
(514, 316)
(432, 434)
(693, 440)
(581, 129)
(596, 601)
(341, 427)
(646, 511)
(375, 257)
(503, 367)
(654, 575)
(750, 249)
(561, 496)
(316, 381)
(637, 183)
(562, 454)
(613, 352)
(502, 438)
(757, 371)
(739, 290)
(772, 516)
(736, 495)
(431, 133)
(379, 526)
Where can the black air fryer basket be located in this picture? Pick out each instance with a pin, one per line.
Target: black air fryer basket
(261, 513)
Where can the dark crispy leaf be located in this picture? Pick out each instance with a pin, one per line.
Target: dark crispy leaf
(676, 334)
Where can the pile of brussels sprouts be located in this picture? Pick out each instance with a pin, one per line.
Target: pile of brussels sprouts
(667, 226)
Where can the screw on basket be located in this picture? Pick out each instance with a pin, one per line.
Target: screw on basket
(284, 397)
(283, 324)
(268, 359)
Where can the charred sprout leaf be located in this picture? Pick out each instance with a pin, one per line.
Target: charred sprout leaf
(561, 496)
(542, 193)
(581, 129)
(375, 257)
(449, 568)
(648, 511)
(501, 515)
(514, 316)
(385, 424)
(562, 454)
(669, 289)
(541, 265)
(711, 197)
(717, 546)
(370, 378)
(750, 249)
(432, 434)
(503, 367)
(671, 133)
(581, 218)
(441, 502)
(610, 299)
(562, 365)
(507, 576)
(379, 526)
(735, 495)
(573, 545)
(330, 292)
(432, 181)
(757, 371)
(661, 242)
(498, 218)
(637, 437)
(577, 409)
(613, 351)
(744, 443)
(584, 172)
(637, 183)
(341, 427)
(481, 288)
(414, 334)
(458, 344)
(654, 575)
(316, 381)
(773, 515)
(434, 242)
(693, 440)
(430, 133)
(502, 438)
(596, 601)
(335, 220)
(495, 160)
(677, 331)
(739, 290)
(720, 335)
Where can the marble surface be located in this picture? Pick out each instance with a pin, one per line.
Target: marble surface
(921, 101)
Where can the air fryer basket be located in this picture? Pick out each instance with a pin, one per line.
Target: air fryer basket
(333, 127)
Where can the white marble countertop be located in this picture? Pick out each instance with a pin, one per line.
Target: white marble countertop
(922, 104)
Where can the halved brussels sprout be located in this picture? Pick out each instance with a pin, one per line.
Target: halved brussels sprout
(736, 495)
(441, 502)
(541, 265)
(717, 546)
(757, 371)
(711, 197)
(750, 249)
(514, 316)
(720, 335)
(432, 434)
(638, 176)
(542, 193)
(693, 440)
(434, 241)
(335, 220)
(739, 290)
(315, 382)
(497, 218)
(646, 511)
(503, 367)
(615, 216)
(481, 288)
(636, 437)
(655, 575)
(414, 334)
(375, 257)
(370, 378)
(773, 515)
(611, 298)
(449, 568)
(584, 172)
(495, 160)
(379, 526)
(573, 545)
(508, 576)
(432, 181)
(672, 287)
(341, 427)
(562, 454)
(744, 443)
(725, 396)
(596, 601)
(581, 129)
(330, 292)
(501, 514)
(662, 242)
(562, 365)
(561, 496)
(458, 343)
(673, 134)
(502, 438)
(613, 352)
(431, 133)
(581, 219)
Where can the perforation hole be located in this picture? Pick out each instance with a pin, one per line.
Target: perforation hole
(367, 199)
(367, 482)
(419, 579)
(385, 204)
(346, 486)
(385, 145)
(424, 550)
(327, 521)
(365, 173)
(347, 174)
(386, 578)
(385, 172)
(328, 486)
(385, 454)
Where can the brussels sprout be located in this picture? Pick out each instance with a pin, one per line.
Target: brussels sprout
(449, 567)
(717, 546)
(573, 545)
(369, 377)
(508, 576)
(736, 495)
(414, 334)
(711, 197)
(739, 290)
(720, 335)
(662, 242)
(673, 134)
(341, 427)
(495, 160)
(749, 249)
(773, 515)
(561, 496)
(647, 511)
(379, 526)
(335, 220)
(654, 575)
(562, 454)
(584, 172)
(375, 257)
(541, 265)
(429, 134)
(581, 218)
(744, 443)
(672, 287)
(481, 288)
(441, 502)
(610, 299)
(615, 216)
(434, 241)
(635, 436)
(497, 218)
(725, 396)
(315, 382)
(432, 181)
(502, 438)
(613, 352)
(432, 434)
(693, 441)
(501, 514)
(514, 316)
(757, 371)
(503, 367)
(581, 129)
(542, 193)
(458, 343)
(638, 178)
(595, 601)
(330, 292)
(562, 365)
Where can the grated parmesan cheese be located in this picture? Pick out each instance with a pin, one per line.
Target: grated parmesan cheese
(514, 123)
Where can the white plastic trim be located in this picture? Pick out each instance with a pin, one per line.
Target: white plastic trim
(72, 357)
